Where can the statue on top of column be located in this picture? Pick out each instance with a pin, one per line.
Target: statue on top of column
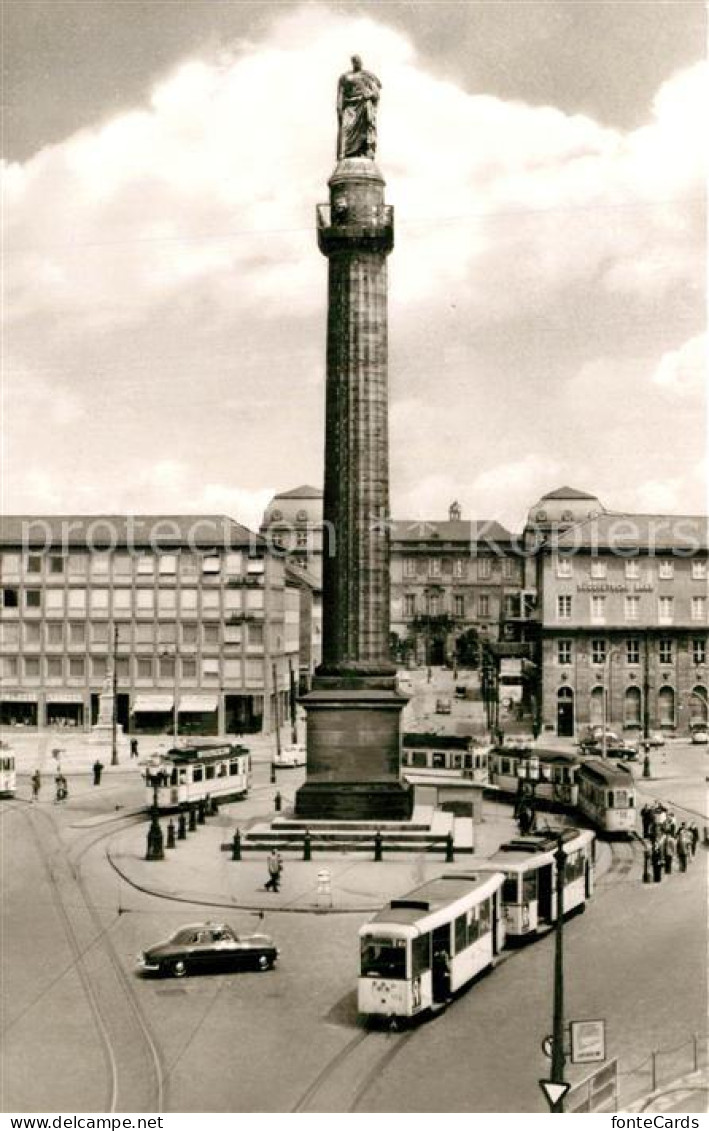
(357, 98)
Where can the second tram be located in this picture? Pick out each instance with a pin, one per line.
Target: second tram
(186, 775)
(428, 944)
(557, 785)
(529, 893)
(607, 796)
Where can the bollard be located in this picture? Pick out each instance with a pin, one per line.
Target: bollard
(307, 848)
(154, 848)
(278, 801)
(207, 806)
(193, 819)
(646, 766)
(378, 845)
(450, 856)
(706, 837)
(170, 834)
(236, 846)
(201, 814)
(182, 827)
(273, 773)
(324, 892)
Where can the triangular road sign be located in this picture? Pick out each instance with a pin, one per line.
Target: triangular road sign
(553, 1092)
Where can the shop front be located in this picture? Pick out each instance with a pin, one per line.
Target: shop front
(153, 714)
(198, 714)
(64, 708)
(19, 709)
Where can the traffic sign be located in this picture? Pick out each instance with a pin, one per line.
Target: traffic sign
(553, 1091)
(588, 1041)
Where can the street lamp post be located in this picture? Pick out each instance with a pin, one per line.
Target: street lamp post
(558, 1058)
(607, 698)
(114, 713)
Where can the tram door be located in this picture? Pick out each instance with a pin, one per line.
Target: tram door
(544, 892)
(440, 970)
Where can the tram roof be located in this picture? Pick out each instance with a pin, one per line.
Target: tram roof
(431, 897)
(558, 757)
(607, 772)
(202, 752)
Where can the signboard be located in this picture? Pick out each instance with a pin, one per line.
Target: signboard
(511, 668)
(588, 1042)
(64, 697)
(19, 696)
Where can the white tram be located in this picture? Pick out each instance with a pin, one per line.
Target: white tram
(557, 784)
(188, 774)
(529, 893)
(449, 754)
(607, 795)
(8, 774)
(430, 943)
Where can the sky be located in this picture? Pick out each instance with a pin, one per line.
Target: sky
(165, 301)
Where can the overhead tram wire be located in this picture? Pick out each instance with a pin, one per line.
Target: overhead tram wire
(414, 222)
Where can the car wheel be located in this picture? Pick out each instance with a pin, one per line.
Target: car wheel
(264, 962)
(178, 969)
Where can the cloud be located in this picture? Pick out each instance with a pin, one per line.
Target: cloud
(683, 372)
(164, 287)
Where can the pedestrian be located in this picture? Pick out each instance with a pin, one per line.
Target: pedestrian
(647, 821)
(98, 770)
(670, 847)
(36, 780)
(61, 786)
(134, 747)
(682, 848)
(694, 834)
(273, 864)
(657, 860)
(671, 824)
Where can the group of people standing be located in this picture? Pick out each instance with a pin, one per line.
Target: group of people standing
(667, 839)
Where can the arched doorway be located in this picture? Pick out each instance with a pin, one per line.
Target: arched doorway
(565, 712)
(632, 702)
(596, 707)
(698, 705)
(666, 707)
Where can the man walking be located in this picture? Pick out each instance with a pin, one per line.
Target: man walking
(274, 870)
(36, 780)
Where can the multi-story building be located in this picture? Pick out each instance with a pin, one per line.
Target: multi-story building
(622, 616)
(199, 620)
(451, 580)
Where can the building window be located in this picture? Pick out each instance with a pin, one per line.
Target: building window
(122, 565)
(512, 605)
(232, 634)
(10, 565)
(56, 564)
(233, 564)
(458, 567)
(483, 605)
(598, 569)
(665, 651)
(210, 668)
(31, 635)
(33, 598)
(122, 599)
(564, 651)
(9, 667)
(31, 667)
(55, 635)
(301, 539)
(54, 600)
(144, 668)
(459, 606)
(77, 667)
(54, 667)
(211, 564)
(210, 598)
(100, 565)
(78, 564)
(189, 565)
(699, 571)
(77, 633)
(99, 667)
(255, 636)
(167, 563)
(210, 635)
(699, 651)
(508, 571)
(410, 605)
(598, 651)
(434, 567)
(632, 607)
(145, 565)
(189, 669)
(699, 608)
(167, 600)
(632, 650)
(564, 567)
(666, 570)
(631, 707)
(433, 604)
(167, 632)
(10, 635)
(484, 568)
(122, 668)
(666, 706)
(563, 608)
(145, 600)
(34, 563)
(144, 634)
(598, 609)
(99, 633)
(409, 567)
(666, 610)
(99, 600)
(188, 600)
(9, 598)
(166, 667)
(189, 634)
(77, 600)
(632, 569)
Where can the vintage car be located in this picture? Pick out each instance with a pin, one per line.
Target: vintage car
(208, 947)
(591, 743)
(700, 734)
(293, 755)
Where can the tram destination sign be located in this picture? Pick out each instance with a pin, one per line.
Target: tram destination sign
(588, 1042)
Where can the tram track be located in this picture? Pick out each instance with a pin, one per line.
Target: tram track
(348, 1076)
(135, 1077)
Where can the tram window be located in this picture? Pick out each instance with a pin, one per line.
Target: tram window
(384, 958)
(197, 773)
(468, 761)
(461, 933)
(484, 919)
(505, 766)
(457, 761)
(509, 889)
(173, 776)
(420, 955)
(439, 760)
(473, 925)
(621, 798)
(529, 887)
(182, 777)
(233, 769)
(209, 772)
(222, 770)
(545, 773)
(418, 758)
(610, 799)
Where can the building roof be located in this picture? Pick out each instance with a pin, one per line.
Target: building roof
(304, 492)
(299, 576)
(681, 534)
(568, 493)
(103, 532)
(462, 530)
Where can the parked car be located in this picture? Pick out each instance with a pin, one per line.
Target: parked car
(294, 755)
(700, 734)
(654, 738)
(443, 706)
(591, 742)
(208, 946)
